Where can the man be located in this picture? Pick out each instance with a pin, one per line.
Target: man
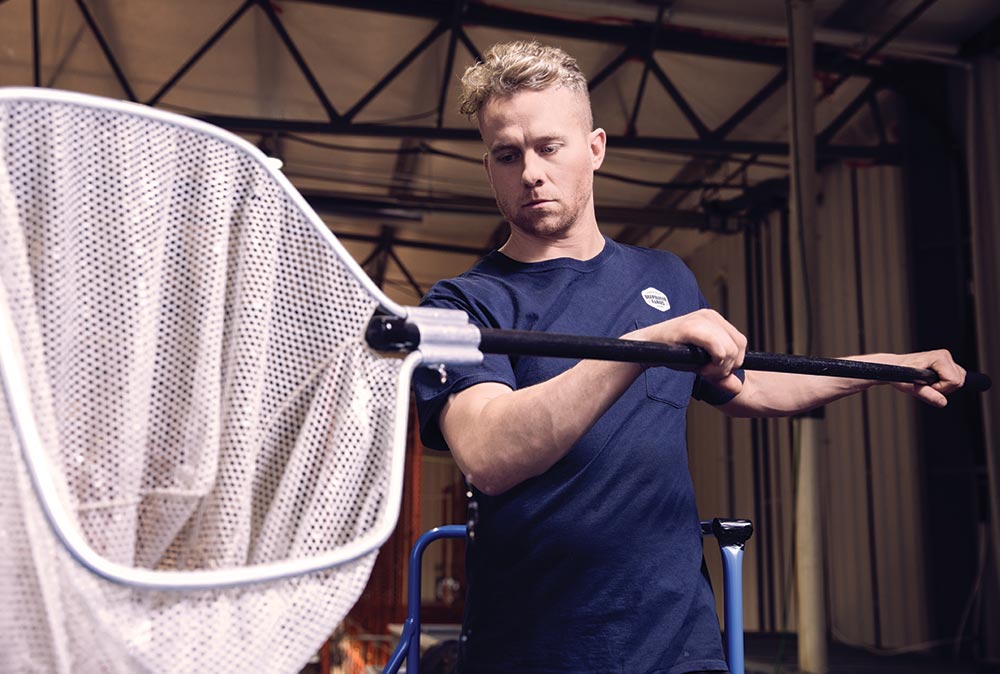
(587, 555)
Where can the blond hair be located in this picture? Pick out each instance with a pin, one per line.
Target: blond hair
(510, 67)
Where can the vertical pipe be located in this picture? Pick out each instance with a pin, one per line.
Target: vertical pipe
(755, 448)
(768, 555)
(36, 50)
(802, 145)
(979, 172)
(722, 292)
(859, 301)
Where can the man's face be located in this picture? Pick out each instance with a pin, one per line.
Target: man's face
(541, 157)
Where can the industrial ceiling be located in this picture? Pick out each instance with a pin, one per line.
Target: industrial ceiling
(358, 100)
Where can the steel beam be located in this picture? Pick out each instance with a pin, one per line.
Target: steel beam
(675, 94)
(751, 105)
(300, 60)
(885, 39)
(106, 50)
(412, 208)
(222, 30)
(421, 245)
(431, 37)
(458, 6)
(851, 109)
(686, 146)
(36, 60)
(669, 38)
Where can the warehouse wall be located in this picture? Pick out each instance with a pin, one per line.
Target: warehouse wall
(982, 143)
(872, 518)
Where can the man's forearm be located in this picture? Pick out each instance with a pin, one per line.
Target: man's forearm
(775, 394)
(779, 394)
(501, 437)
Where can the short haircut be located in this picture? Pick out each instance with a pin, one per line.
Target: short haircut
(509, 67)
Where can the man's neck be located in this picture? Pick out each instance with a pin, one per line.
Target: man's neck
(527, 247)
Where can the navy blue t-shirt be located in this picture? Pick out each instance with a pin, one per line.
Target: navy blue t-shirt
(595, 565)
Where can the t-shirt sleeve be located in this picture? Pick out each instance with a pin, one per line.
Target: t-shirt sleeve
(432, 393)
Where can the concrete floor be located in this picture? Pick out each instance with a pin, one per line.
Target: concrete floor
(778, 654)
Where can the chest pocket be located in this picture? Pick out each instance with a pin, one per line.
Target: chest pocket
(665, 385)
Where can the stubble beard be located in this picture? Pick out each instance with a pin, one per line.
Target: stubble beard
(544, 224)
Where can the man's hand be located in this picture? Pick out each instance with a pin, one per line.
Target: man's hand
(951, 375)
(726, 346)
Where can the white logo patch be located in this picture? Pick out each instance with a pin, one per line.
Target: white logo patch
(656, 299)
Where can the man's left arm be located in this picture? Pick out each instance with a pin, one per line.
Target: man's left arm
(778, 394)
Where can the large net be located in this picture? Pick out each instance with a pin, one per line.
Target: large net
(192, 341)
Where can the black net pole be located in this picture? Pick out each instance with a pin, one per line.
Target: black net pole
(395, 334)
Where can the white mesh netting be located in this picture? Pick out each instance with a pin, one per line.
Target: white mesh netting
(199, 378)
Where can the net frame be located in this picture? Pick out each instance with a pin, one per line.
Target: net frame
(263, 591)
(42, 472)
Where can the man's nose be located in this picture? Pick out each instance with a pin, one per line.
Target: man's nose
(532, 173)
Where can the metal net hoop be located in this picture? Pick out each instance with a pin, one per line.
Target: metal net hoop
(196, 394)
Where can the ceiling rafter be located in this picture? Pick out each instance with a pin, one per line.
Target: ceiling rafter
(410, 207)
(638, 40)
(300, 61)
(847, 114)
(647, 58)
(449, 62)
(879, 44)
(36, 58)
(752, 104)
(682, 104)
(672, 145)
(869, 95)
(394, 72)
(201, 51)
(105, 49)
(459, 11)
(669, 38)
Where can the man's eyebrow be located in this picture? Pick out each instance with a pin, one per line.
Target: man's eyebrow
(502, 147)
(543, 140)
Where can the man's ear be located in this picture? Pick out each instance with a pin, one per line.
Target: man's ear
(486, 165)
(598, 144)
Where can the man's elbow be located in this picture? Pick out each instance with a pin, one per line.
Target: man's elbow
(492, 480)
(493, 472)
(488, 487)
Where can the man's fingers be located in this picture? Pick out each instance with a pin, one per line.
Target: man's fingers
(951, 375)
(930, 395)
(729, 384)
(707, 329)
(725, 345)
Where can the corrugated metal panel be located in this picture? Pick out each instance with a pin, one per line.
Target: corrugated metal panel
(872, 516)
(877, 595)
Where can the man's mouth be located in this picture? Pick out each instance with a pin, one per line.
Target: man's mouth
(535, 203)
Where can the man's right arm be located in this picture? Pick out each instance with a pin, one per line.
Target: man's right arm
(500, 437)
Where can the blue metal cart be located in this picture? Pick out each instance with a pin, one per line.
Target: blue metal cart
(732, 535)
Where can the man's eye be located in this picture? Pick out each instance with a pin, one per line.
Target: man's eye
(506, 158)
(549, 149)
